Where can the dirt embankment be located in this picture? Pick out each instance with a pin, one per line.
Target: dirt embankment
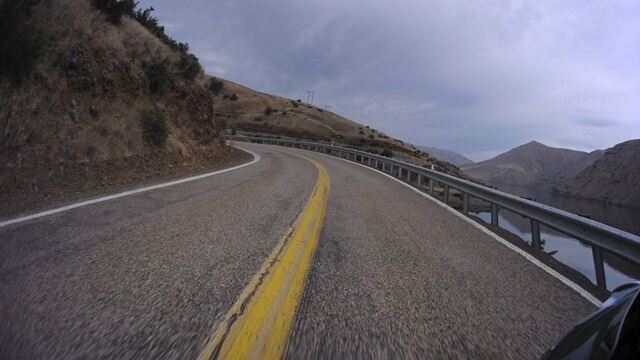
(74, 89)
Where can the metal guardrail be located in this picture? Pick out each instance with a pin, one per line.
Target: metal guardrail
(599, 236)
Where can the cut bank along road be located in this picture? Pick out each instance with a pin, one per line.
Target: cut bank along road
(154, 274)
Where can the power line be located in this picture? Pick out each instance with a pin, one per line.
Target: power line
(310, 97)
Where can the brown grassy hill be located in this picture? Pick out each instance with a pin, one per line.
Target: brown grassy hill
(242, 110)
(531, 164)
(74, 88)
(614, 178)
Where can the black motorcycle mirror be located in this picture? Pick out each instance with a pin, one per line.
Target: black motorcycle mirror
(612, 332)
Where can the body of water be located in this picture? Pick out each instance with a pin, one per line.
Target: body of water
(569, 250)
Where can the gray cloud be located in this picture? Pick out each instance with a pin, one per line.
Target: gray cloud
(476, 77)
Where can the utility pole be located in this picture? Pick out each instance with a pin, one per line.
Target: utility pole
(310, 97)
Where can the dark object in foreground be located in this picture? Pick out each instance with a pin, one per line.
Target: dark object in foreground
(612, 332)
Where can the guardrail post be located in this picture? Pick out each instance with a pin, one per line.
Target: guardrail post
(399, 172)
(339, 153)
(535, 235)
(369, 161)
(494, 214)
(445, 197)
(384, 166)
(420, 181)
(598, 264)
(391, 167)
(361, 159)
(431, 186)
(409, 176)
(465, 203)
(376, 164)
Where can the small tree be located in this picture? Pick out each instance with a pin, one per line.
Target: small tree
(387, 153)
(268, 110)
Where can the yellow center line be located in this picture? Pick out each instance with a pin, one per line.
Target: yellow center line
(259, 323)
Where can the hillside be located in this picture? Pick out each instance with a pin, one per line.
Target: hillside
(531, 164)
(613, 178)
(244, 111)
(446, 155)
(88, 102)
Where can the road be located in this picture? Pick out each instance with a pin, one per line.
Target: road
(153, 275)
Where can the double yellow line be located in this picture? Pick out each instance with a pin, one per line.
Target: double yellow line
(258, 324)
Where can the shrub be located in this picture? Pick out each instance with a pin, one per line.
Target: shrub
(295, 104)
(387, 153)
(20, 43)
(158, 77)
(154, 126)
(361, 132)
(268, 110)
(233, 97)
(189, 66)
(216, 86)
(115, 9)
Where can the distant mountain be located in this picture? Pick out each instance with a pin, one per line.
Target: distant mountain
(531, 164)
(446, 155)
(613, 178)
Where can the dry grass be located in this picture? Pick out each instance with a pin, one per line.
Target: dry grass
(81, 101)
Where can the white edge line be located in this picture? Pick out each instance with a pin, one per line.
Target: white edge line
(130, 192)
(581, 291)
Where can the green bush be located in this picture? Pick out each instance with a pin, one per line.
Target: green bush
(216, 86)
(154, 126)
(268, 110)
(20, 42)
(158, 77)
(387, 153)
(116, 9)
(189, 66)
(233, 97)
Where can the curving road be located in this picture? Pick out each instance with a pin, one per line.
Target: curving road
(153, 275)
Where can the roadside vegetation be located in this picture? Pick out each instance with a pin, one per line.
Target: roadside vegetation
(188, 65)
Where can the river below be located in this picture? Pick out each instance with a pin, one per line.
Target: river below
(567, 249)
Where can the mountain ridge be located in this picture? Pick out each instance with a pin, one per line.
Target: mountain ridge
(446, 155)
(608, 176)
(527, 165)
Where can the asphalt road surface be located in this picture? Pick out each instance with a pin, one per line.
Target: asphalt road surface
(152, 275)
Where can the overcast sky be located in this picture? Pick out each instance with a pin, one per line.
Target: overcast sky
(477, 77)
